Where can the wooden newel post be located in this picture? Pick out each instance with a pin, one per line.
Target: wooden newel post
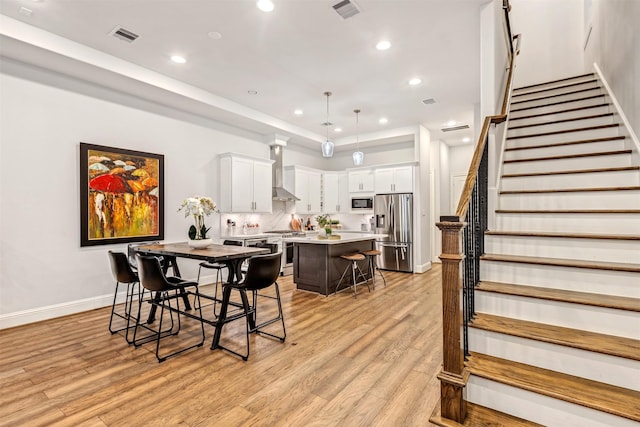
(453, 376)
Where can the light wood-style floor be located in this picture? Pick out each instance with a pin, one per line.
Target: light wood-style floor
(370, 361)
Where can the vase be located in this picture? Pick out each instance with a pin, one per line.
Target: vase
(200, 244)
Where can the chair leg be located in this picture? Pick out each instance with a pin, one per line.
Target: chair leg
(127, 308)
(222, 320)
(166, 303)
(280, 317)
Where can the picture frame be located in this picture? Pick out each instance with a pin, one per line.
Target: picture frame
(121, 195)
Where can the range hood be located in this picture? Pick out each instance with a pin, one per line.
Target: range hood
(279, 192)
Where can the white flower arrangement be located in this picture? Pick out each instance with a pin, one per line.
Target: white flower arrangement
(198, 207)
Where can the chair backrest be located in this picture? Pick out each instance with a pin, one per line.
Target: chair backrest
(150, 272)
(263, 271)
(121, 269)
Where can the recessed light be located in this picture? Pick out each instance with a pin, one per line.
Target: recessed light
(383, 45)
(265, 5)
(252, 92)
(451, 123)
(298, 112)
(337, 130)
(178, 59)
(466, 139)
(415, 81)
(214, 35)
(383, 121)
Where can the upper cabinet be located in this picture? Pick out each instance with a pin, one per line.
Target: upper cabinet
(306, 184)
(335, 186)
(245, 184)
(361, 181)
(394, 180)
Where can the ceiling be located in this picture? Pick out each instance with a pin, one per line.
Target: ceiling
(289, 56)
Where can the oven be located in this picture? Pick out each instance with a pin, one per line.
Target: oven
(286, 264)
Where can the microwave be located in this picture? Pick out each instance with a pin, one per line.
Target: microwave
(362, 203)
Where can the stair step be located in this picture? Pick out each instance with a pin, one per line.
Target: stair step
(570, 156)
(568, 87)
(613, 177)
(555, 148)
(559, 114)
(558, 105)
(614, 400)
(558, 144)
(478, 415)
(563, 235)
(559, 82)
(553, 122)
(559, 132)
(595, 265)
(563, 96)
(568, 211)
(575, 171)
(571, 190)
(563, 295)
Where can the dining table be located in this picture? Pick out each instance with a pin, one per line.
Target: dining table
(230, 256)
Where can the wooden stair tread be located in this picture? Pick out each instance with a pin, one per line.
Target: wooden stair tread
(563, 235)
(565, 143)
(563, 295)
(568, 110)
(573, 119)
(579, 76)
(569, 211)
(551, 104)
(592, 394)
(572, 92)
(562, 131)
(555, 88)
(561, 262)
(574, 171)
(478, 415)
(570, 156)
(571, 190)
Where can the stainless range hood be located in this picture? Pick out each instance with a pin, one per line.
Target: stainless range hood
(279, 192)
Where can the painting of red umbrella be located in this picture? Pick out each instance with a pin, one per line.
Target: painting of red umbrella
(116, 202)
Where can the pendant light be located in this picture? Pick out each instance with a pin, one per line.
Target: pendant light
(327, 146)
(358, 156)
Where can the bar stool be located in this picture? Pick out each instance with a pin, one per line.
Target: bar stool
(213, 266)
(353, 266)
(124, 274)
(373, 266)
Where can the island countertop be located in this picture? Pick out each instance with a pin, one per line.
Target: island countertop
(352, 237)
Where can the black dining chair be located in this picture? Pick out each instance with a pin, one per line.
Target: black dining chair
(218, 267)
(167, 289)
(124, 274)
(262, 272)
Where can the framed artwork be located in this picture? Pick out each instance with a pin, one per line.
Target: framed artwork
(121, 195)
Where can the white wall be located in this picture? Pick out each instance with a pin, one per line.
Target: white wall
(552, 39)
(614, 44)
(42, 264)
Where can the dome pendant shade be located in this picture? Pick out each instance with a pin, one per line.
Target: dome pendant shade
(327, 149)
(358, 158)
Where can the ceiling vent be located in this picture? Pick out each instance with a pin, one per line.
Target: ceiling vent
(123, 34)
(429, 101)
(346, 9)
(451, 129)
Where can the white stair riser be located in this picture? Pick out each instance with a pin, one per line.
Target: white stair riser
(576, 316)
(573, 279)
(578, 180)
(613, 370)
(519, 111)
(549, 85)
(578, 135)
(552, 127)
(560, 165)
(560, 115)
(538, 408)
(565, 248)
(523, 96)
(563, 150)
(600, 223)
(539, 101)
(628, 199)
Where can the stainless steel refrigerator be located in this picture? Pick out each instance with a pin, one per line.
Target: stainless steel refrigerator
(394, 217)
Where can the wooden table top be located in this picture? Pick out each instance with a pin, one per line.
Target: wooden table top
(215, 253)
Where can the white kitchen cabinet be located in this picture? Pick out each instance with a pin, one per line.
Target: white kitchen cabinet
(361, 181)
(305, 184)
(394, 180)
(245, 184)
(335, 191)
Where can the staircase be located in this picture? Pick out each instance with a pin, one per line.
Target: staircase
(556, 335)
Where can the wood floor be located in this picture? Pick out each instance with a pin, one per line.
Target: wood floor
(370, 361)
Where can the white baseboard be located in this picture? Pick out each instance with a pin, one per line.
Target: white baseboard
(422, 268)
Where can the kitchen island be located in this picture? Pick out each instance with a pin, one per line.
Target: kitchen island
(317, 265)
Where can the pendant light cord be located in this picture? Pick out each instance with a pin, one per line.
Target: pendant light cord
(328, 94)
(357, 111)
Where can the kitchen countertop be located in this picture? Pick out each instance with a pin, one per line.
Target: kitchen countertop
(352, 237)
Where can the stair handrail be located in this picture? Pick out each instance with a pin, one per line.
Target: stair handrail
(463, 243)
